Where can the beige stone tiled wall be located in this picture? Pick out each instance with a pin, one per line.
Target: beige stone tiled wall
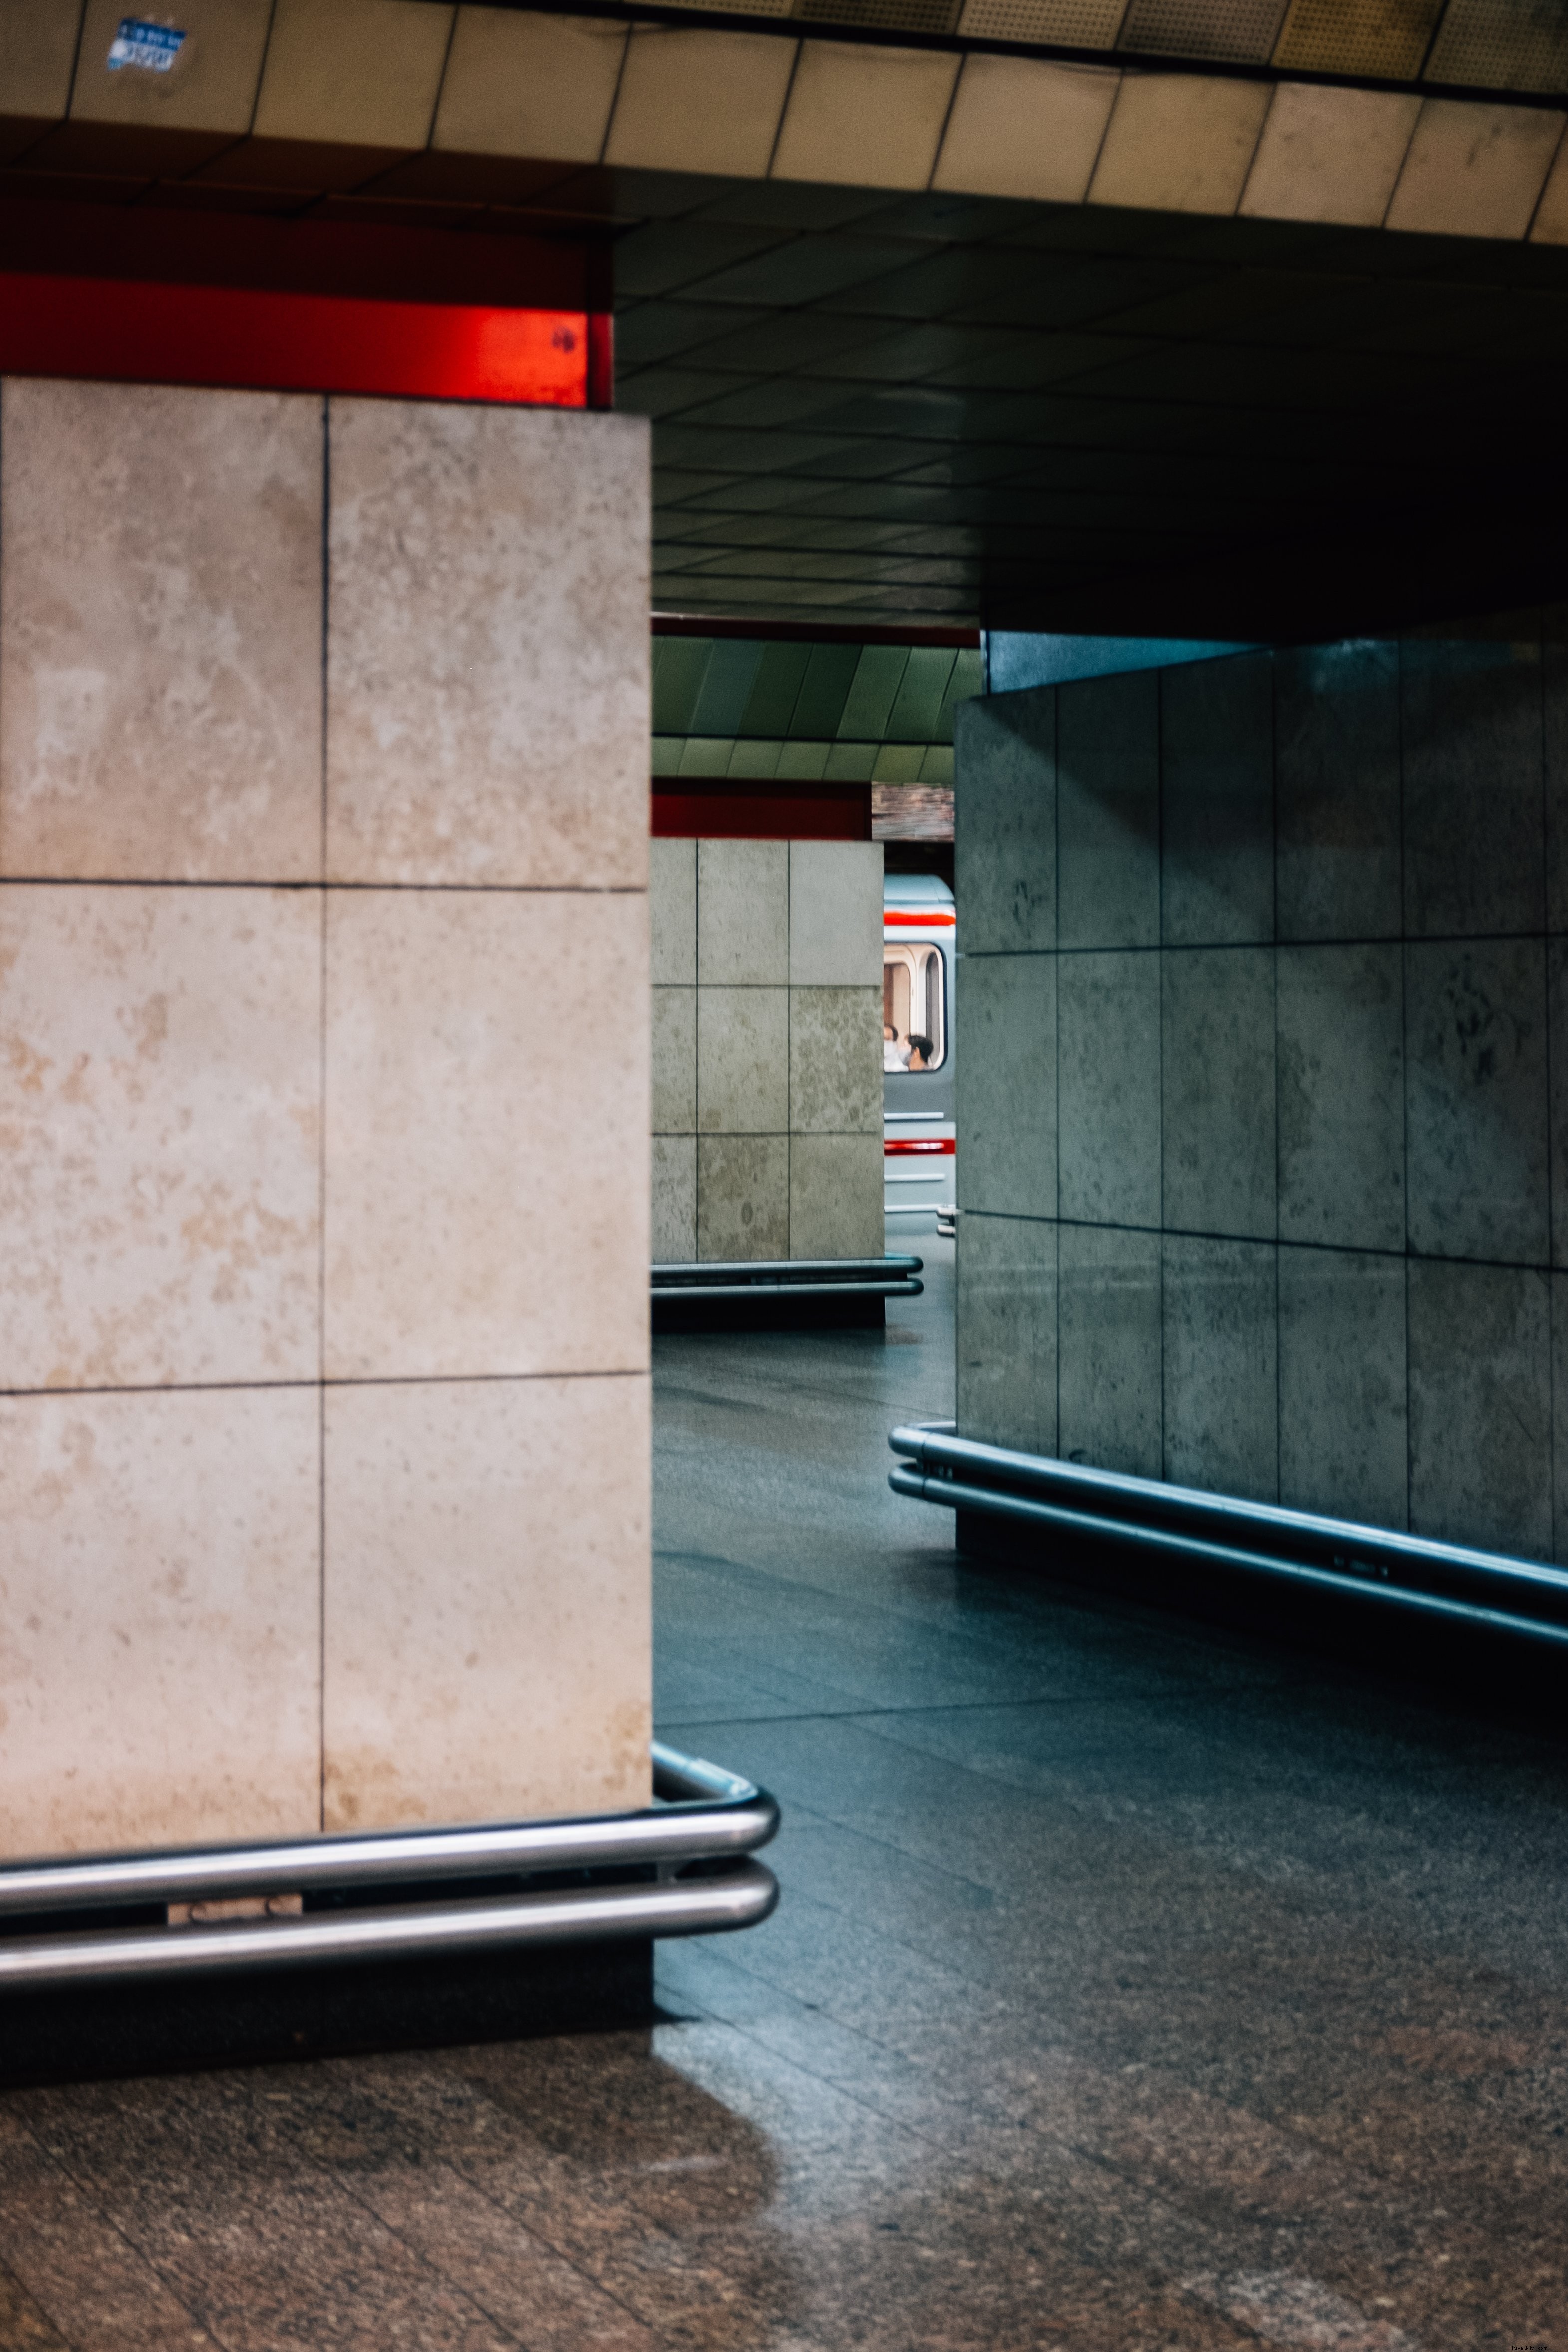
(324, 1405)
(766, 1049)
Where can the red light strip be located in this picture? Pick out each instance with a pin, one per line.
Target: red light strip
(946, 1145)
(137, 332)
(930, 921)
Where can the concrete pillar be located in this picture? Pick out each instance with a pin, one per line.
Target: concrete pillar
(1262, 1094)
(324, 1098)
(766, 1049)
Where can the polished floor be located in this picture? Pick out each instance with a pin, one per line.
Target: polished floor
(1137, 1983)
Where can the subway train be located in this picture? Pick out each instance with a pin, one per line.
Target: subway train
(919, 926)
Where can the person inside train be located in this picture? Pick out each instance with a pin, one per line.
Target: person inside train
(895, 1056)
(919, 1051)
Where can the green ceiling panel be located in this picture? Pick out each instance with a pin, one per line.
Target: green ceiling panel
(726, 686)
(824, 689)
(878, 675)
(678, 666)
(967, 681)
(917, 709)
(772, 701)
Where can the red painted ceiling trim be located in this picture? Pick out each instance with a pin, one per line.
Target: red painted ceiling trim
(127, 330)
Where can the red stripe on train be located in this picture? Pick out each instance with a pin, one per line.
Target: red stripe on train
(945, 1144)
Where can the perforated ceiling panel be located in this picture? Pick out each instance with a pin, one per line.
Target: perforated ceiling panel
(883, 15)
(1503, 45)
(1382, 37)
(1244, 31)
(1066, 24)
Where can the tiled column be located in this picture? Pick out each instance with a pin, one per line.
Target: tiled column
(323, 1080)
(1260, 1078)
(767, 1050)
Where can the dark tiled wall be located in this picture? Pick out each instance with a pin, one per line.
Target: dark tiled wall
(1263, 1077)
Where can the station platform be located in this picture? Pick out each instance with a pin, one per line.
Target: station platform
(1137, 1981)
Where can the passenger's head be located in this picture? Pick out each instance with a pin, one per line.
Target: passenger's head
(889, 1033)
(920, 1050)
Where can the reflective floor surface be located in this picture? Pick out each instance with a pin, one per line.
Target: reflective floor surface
(1135, 1983)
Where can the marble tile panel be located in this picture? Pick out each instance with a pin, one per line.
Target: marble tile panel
(1025, 127)
(1221, 1374)
(160, 1107)
(1108, 1040)
(1179, 142)
(1341, 1013)
(1343, 1433)
(367, 74)
(673, 912)
(743, 913)
(836, 1196)
(1470, 718)
(1109, 1336)
(1004, 821)
(675, 1239)
(1474, 170)
(1329, 154)
(487, 655)
(1336, 771)
(1476, 1099)
(526, 86)
(700, 99)
(1217, 880)
(1005, 1331)
(835, 914)
(743, 1196)
(1007, 1083)
(1108, 811)
(488, 1124)
(1217, 1051)
(159, 1674)
(1554, 732)
(1480, 1413)
(160, 633)
(835, 1061)
(674, 1061)
(487, 1644)
(858, 114)
(211, 87)
(743, 1060)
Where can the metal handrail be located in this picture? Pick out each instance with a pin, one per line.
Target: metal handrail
(700, 1813)
(799, 1277)
(1442, 1581)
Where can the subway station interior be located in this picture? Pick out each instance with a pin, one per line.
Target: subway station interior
(784, 1176)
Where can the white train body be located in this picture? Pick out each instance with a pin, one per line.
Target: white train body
(919, 929)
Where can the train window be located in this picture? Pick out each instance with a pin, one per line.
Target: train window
(914, 1007)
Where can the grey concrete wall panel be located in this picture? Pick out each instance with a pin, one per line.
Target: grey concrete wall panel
(835, 1198)
(1560, 1416)
(743, 1061)
(1005, 1008)
(1480, 1417)
(1343, 1442)
(835, 1069)
(1006, 1338)
(674, 1061)
(1108, 1383)
(1108, 1042)
(673, 911)
(743, 930)
(674, 1199)
(1470, 721)
(835, 913)
(1108, 803)
(1555, 744)
(1217, 1090)
(743, 1196)
(1341, 1014)
(1216, 731)
(1557, 1092)
(1221, 1369)
(1476, 1099)
(1336, 750)
(1005, 823)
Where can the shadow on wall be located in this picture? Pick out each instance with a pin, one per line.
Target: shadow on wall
(1263, 1105)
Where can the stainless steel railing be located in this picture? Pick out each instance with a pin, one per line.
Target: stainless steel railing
(702, 1816)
